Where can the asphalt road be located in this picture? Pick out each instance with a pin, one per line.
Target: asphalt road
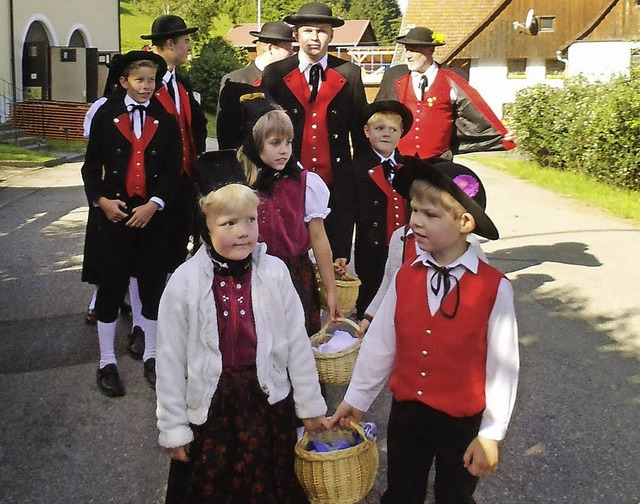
(574, 436)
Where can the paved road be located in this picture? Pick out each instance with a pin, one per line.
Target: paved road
(574, 437)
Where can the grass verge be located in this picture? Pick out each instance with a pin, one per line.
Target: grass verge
(212, 131)
(12, 153)
(619, 202)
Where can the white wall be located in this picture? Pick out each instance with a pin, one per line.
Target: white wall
(599, 60)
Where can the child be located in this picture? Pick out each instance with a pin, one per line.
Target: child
(446, 336)
(231, 344)
(131, 165)
(293, 204)
(370, 201)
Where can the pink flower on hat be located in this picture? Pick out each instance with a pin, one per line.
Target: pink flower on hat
(469, 185)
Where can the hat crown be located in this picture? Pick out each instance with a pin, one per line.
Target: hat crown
(420, 33)
(168, 23)
(274, 30)
(217, 169)
(315, 9)
(314, 12)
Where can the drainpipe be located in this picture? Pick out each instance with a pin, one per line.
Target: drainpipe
(13, 53)
(560, 58)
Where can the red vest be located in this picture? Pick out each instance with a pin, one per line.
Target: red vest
(396, 205)
(439, 361)
(135, 179)
(316, 155)
(189, 154)
(433, 123)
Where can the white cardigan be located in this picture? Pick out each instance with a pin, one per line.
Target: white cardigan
(189, 362)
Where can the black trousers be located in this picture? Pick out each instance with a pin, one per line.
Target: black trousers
(181, 213)
(417, 434)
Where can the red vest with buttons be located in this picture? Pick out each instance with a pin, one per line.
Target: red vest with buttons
(397, 214)
(439, 361)
(433, 122)
(316, 155)
(136, 179)
(189, 154)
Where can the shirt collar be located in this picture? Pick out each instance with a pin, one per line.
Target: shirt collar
(130, 101)
(391, 158)
(304, 63)
(168, 75)
(430, 73)
(468, 260)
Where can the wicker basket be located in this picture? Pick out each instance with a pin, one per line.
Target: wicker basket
(335, 368)
(337, 477)
(347, 288)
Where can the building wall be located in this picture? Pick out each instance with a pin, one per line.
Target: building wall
(600, 60)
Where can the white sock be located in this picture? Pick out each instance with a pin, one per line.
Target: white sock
(92, 303)
(107, 338)
(136, 304)
(150, 328)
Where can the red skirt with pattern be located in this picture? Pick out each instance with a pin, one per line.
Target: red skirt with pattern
(304, 280)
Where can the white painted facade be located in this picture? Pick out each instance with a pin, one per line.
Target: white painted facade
(600, 60)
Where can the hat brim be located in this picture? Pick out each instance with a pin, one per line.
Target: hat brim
(389, 106)
(300, 20)
(414, 168)
(169, 34)
(126, 59)
(404, 40)
(270, 37)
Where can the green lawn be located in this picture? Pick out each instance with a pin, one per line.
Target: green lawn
(133, 24)
(619, 202)
(11, 153)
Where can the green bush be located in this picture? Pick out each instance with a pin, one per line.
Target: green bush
(216, 58)
(583, 127)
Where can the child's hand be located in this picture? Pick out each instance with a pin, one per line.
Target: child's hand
(341, 263)
(112, 208)
(334, 307)
(364, 326)
(314, 425)
(179, 453)
(481, 457)
(344, 415)
(140, 216)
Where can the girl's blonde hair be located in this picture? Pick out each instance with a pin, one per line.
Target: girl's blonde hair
(230, 199)
(273, 123)
(424, 192)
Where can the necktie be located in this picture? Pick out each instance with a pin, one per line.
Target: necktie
(442, 279)
(141, 111)
(423, 86)
(172, 92)
(389, 169)
(315, 74)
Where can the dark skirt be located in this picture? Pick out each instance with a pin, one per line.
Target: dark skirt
(304, 280)
(244, 452)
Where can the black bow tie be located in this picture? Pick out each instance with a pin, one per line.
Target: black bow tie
(389, 169)
(315, 75)
(142, 109)
(442, 278)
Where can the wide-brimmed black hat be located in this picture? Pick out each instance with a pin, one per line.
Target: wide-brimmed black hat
(276, 31)
(389, 106)
(421, 36)
(119, 64)
(314, 12)
(217, 169)
(458, 180)
(167, 26)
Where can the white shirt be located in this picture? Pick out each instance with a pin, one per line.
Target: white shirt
(430, 74)
(316, 201)
(305, 64)
(377, 353)
(174, 83)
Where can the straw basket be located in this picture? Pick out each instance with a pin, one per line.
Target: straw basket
(335, 368)
(337, 477)
(347, 288)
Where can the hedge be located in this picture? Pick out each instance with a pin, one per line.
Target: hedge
(592, 128)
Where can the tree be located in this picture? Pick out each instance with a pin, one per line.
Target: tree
(385, 17)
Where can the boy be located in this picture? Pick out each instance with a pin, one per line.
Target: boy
(370, 201)
(130, 171)
(446, 335)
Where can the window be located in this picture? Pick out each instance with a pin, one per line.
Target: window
(554, 69)
(517, 68)
(547, 23)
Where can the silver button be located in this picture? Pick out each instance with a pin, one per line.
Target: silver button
(428, 331)
(223, 283)
(423, 374)
(424, 352)
(238, 286)
(225, 313)
(242, 312)
(419, 392)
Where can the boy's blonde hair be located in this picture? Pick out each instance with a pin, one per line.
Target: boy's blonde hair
(230, 199)
(274, 122)
(135, 65)
(424, 192)
(386, 114)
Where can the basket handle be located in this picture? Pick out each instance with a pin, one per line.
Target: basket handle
(348, 321)
(354, 426)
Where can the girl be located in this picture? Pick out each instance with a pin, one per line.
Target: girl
(293, 205)
(231, 344)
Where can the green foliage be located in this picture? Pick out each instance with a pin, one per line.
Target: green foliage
(133, 23)
(385, 17)
(589, 128)
(216, 58)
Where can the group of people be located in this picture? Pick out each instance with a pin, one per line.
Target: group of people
(303, 160)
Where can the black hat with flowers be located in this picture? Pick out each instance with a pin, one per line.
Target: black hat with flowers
(421, 36)
(459, 181)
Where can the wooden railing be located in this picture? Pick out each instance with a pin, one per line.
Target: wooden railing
(48, 119)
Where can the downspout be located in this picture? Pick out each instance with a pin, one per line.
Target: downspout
(559, 57)
(14, 92)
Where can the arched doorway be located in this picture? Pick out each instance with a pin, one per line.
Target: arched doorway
(77, 39)
(35, 63)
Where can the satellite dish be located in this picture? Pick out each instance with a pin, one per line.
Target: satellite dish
(530, 25)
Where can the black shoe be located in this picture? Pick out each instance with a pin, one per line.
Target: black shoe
(91, 318)
(109, 382)
(136, 343)
(150, 372)
(125, 309)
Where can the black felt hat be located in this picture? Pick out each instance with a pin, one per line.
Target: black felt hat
(217, 169)
(167, 26)
(421, 36)
(457, 180)
(276, 31)
(389, 106)
(119, 64)
(314, 12)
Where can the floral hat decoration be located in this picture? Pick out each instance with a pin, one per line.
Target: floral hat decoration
(422, 36)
